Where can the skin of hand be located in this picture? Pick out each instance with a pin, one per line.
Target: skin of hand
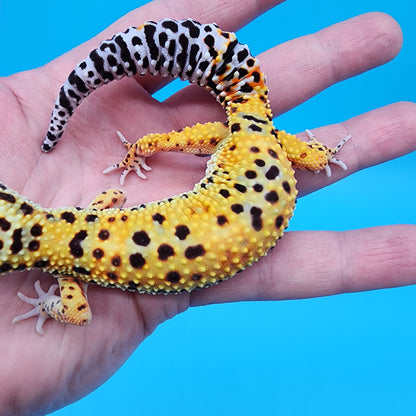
(70, 175)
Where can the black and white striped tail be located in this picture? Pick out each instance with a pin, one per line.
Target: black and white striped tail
(180, 49)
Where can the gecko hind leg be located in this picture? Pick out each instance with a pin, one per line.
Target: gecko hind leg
(38, 306)
(71, 306)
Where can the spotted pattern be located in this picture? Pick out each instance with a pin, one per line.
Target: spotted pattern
(231, 218)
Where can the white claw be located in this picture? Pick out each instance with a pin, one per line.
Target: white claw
(139, 173)
(310, 134)
(122, 138)
(342, 142)
(123, 176)
(338, 162)
(144, 165)
(111, 168)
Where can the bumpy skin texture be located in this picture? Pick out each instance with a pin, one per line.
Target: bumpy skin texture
(233, 216)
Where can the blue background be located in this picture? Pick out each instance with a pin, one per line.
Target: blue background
(342, 355)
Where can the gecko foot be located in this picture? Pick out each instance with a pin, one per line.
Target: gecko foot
(331, 152)
(131, 162)
(38, 305)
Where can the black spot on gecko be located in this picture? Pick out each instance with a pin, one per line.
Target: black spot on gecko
(237, 208)
(173, 277)
(165, 251)
(20, 267)
(135, 40)
(4, 224)
(98, 253)
(7, 197)
(182, 231)
(81, 270)
(41, 263)
(250, 174)
(132, 285)
(149, 32)
(279, 221)
(221, 220)
(194, 30)
(17, 244)
(158, 218)
(260, 163)
(272, 173)
(255, 119)
(255, 127)
(137, 260)
(240, 100)
(225, 193)
(26, 208)
(209, 41)
(271, 197)
(111, 276)
(91, 217)
(195, 277)
(286, 186)
(33, 245)
(36, 230)
(77, 82)
(192, 252)
(170, 24)
(5, 267)
(242, 55)
(272, 153)
(75, 244)
(163, 38)
(254, 149)
(256, 221)
(235, 127)
(246, 87)
(68, 217)
(240, 188)
(116, 261)
(141, 238)
(258, 187)
(104, 235)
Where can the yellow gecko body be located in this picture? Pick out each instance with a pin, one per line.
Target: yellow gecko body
(231, 218)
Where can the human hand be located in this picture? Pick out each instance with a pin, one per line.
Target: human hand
(122, 320)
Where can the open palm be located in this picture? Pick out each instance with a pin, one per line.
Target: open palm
(39, 374)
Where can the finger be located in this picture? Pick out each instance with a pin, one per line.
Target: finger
(377, 136)
(228, 15)
(300, 68)
(311, 264)
(314, 62)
